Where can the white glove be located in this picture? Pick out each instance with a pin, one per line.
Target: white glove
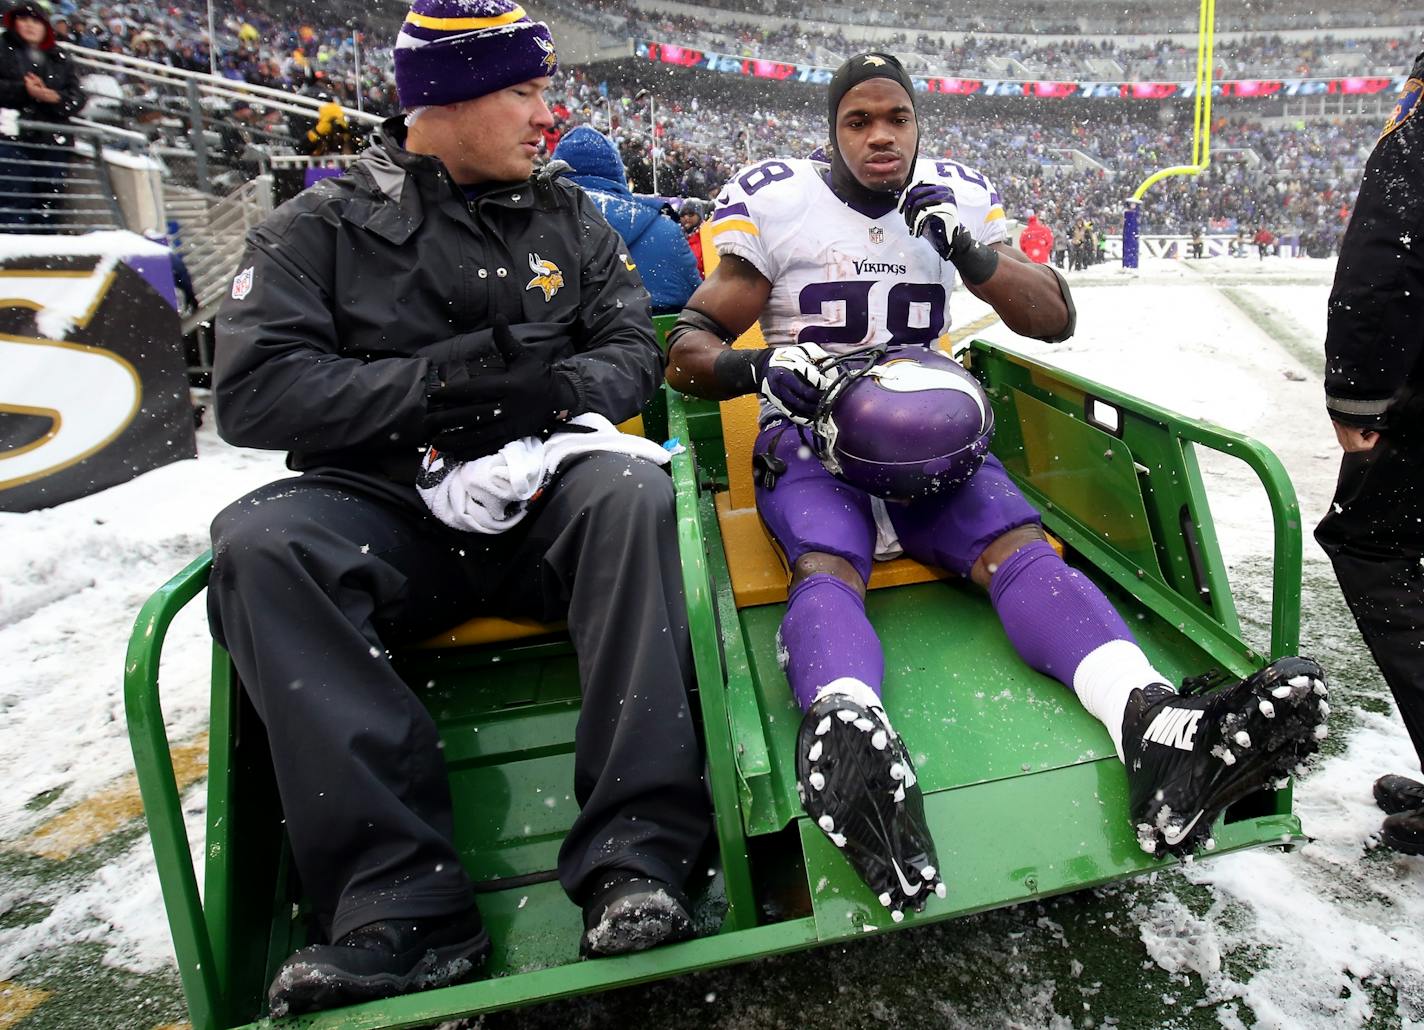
(794, 378)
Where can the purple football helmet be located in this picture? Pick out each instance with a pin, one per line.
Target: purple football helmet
(907, 424)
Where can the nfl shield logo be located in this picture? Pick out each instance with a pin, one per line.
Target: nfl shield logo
(877, 234)
(242, 283)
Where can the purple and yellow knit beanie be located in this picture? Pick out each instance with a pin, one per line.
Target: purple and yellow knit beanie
(454, 50)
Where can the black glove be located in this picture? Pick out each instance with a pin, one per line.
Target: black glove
(474, 409)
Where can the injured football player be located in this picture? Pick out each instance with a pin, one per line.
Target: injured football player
(873, 444)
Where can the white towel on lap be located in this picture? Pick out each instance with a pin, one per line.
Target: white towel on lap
(491, 494)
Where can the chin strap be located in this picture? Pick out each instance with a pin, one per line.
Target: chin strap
(823, 435)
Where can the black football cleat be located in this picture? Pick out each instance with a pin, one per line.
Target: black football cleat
(380, 960)
(1404, 832)
(1396, 794)
(1190, 756)
(631, 913)
(857, 783)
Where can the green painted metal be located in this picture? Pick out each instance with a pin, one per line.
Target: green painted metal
(1161, 443)
(153, 762)
(1023, 792)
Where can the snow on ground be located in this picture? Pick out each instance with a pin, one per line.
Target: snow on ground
(1330, 935)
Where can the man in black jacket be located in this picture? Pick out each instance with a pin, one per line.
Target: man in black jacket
(37, 80)
(392, 308)
(1374, 386)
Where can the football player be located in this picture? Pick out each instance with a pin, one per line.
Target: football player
(865, 249)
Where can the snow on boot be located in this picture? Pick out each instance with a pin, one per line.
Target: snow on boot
(1404, 832)
(633, 913)
(380, 960)
(858, 785)
(1190, 756)
(1398, 794)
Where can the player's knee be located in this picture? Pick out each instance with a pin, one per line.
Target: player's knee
(1001, 549)
(819, 563)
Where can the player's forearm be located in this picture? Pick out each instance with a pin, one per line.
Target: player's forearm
(693, 367)
(1030, 299)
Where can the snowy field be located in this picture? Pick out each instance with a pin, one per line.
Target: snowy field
(1329, 935)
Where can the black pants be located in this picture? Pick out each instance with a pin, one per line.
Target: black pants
(1375, 540)
(314, 577)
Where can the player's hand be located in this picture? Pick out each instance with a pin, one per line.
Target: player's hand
(1353, 439)
(793, 379)
(474, 410)
(931, 212)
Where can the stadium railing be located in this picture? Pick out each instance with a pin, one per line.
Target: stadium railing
(195, 94)
(61, 178)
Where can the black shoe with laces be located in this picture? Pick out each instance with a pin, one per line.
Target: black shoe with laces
(1404, 832)
(1398, 794)
(629, 912)
(858, 785)
(1190, 756)
(381, 960)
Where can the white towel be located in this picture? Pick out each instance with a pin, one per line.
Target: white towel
(491, 494)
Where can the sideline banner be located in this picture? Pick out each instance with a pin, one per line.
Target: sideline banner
(751, 67)
(93, 384)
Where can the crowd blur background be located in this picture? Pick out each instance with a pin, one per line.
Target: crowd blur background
(1290, 166)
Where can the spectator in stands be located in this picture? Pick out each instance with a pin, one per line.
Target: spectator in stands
(36, 79)
(655, 243)
(690, 218)
(1036, 240)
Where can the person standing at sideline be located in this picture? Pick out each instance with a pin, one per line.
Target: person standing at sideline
(1374, 393)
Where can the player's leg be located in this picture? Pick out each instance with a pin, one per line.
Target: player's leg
(854, 774)
(1180, 752)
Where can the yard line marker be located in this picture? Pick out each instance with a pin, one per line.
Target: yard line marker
(17, 1002)
(91, 820)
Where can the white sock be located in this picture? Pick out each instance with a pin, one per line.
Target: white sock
(857, 690)
(1106, 678)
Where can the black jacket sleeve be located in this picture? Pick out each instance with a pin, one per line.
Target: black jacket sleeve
(1375, 328)
(279, 379)
(619, 364)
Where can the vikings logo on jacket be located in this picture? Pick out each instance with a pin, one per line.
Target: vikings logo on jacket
(547, 276)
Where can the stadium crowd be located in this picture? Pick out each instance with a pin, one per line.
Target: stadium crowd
(799, 42)
(1294, 179)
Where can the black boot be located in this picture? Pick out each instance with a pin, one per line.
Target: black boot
(380, 960)
(1189, 757)
(629, 912)
(1404, 832)
(1398, 794)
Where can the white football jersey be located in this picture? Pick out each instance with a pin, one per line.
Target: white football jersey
(839, 278)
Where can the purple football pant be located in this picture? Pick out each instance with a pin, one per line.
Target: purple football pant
(1052, 615)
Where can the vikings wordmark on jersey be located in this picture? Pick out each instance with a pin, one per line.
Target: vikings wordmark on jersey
(839, 278)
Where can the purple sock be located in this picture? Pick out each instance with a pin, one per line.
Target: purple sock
(825, 636)
(1053, 615)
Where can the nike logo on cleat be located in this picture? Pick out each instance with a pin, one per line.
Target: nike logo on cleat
(1173, 839)
(910, 889)
(1174, 727)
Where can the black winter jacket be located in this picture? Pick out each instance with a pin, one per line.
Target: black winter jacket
(1375, 334)
(57, 72)
(350, 290)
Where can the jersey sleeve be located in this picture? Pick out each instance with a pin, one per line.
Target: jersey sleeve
(981, 211)
(746, 216)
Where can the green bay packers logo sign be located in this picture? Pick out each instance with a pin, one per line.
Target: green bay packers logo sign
(1408, 102)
